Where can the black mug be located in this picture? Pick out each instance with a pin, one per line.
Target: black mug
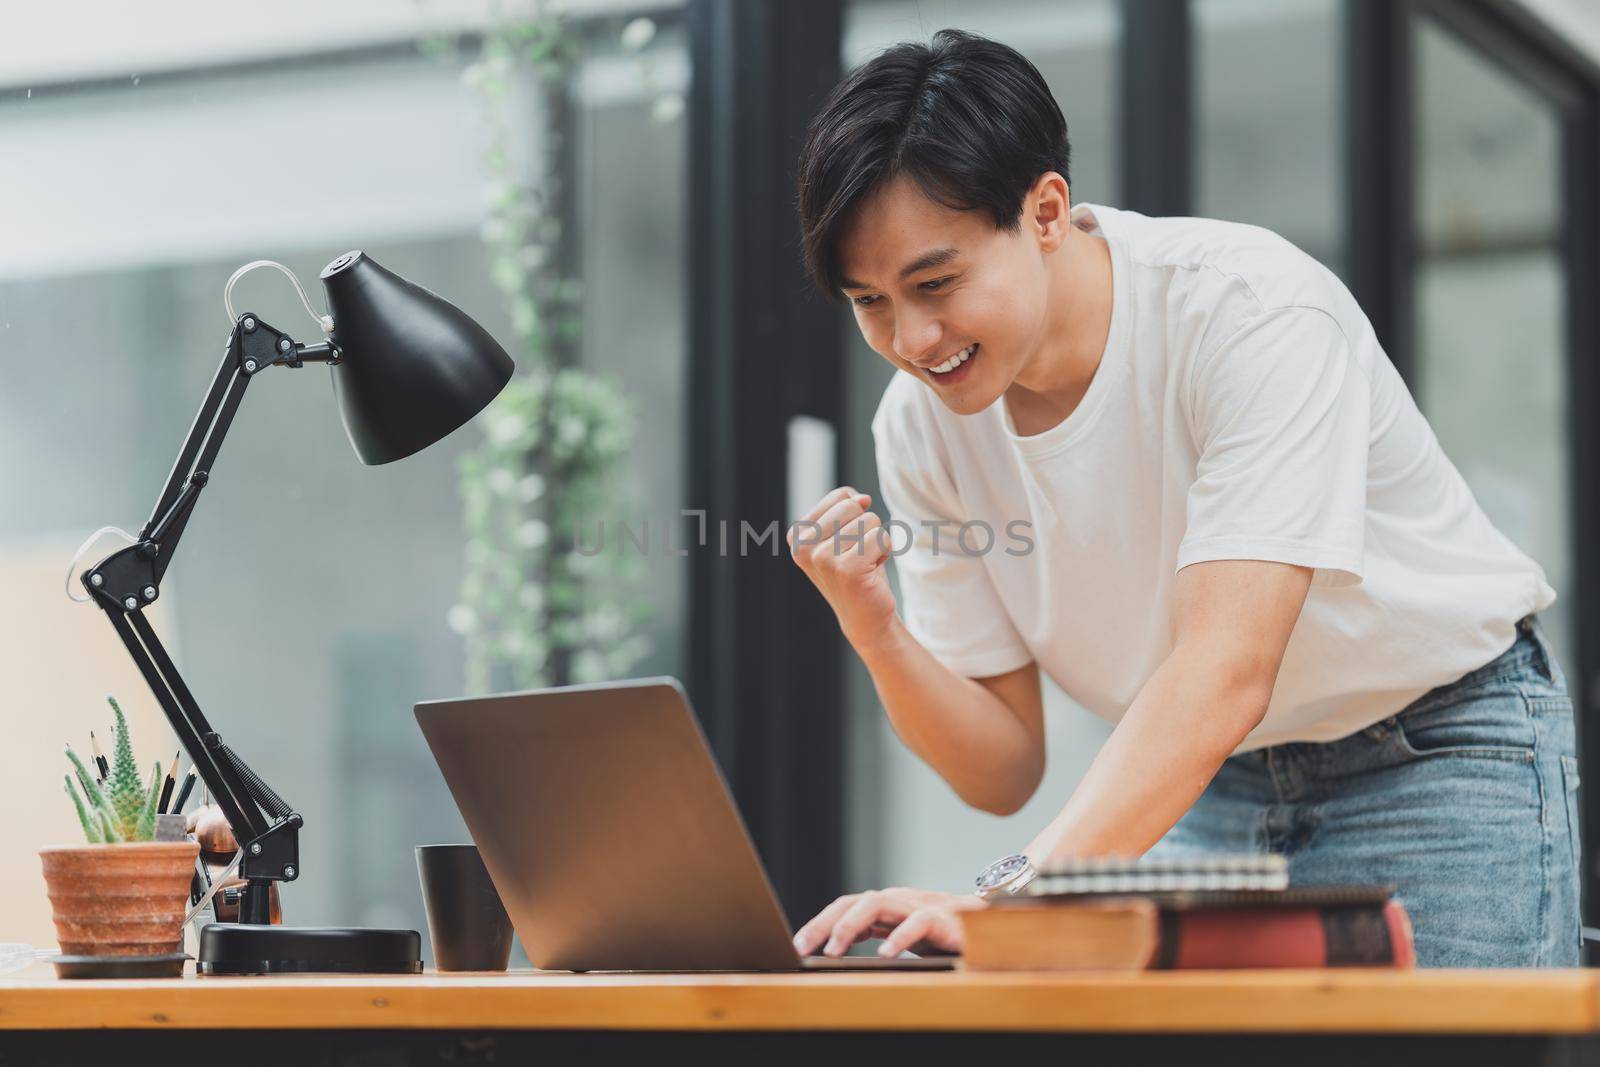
(467, 923)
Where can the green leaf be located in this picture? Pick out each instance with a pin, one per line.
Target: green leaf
(108, 830)
(89, 830)
(91, 788)
(146, 828)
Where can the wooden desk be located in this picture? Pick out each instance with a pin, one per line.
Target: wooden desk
(1365, 1017)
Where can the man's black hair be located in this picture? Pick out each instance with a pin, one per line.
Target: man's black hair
(969, 119)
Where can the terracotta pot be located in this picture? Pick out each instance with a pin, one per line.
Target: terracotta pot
(119, 900)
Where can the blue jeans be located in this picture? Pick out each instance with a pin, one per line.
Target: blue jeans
(1466, 801)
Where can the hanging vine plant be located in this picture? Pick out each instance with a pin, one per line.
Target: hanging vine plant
(533, 610)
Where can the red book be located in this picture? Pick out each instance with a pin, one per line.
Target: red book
(1293, 928)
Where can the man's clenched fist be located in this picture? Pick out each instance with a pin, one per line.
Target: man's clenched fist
(842, 546)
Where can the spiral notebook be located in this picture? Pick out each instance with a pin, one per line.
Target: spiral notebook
(1187, 874)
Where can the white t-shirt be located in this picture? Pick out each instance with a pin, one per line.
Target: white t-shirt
(1243, 409)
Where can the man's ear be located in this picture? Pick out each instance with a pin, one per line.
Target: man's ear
(1047, 210)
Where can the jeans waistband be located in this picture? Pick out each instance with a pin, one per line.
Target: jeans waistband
(1528, 650)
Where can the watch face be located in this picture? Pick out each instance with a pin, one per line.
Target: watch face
(1002, 871)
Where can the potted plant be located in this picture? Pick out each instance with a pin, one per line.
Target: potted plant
(123, 893)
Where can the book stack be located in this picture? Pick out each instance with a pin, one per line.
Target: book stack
(1191, 913)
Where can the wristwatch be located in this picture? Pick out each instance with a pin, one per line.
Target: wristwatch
(1005, 877)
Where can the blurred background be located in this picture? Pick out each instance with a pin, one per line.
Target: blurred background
(608, 187)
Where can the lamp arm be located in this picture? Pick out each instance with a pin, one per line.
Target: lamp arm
(127, 581)
(183, 466)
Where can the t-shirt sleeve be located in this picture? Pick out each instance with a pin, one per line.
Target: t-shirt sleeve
(947, 598)
(1281, 414)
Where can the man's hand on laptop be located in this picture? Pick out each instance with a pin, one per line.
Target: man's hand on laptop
(920, 920)
(841, 547)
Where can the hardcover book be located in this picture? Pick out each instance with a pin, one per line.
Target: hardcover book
(1338, 926)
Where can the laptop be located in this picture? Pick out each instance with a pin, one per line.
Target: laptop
(611, 835)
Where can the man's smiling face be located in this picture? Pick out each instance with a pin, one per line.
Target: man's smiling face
(943, 294)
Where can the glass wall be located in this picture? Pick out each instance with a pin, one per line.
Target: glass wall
(906, 826)
(1491, 299)
(308, 606)
(1269, 118)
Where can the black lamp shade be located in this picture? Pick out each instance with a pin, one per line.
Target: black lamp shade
(414, 366)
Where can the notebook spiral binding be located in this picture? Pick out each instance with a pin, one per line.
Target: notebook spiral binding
(1219, 873)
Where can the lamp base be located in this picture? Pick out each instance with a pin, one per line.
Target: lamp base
(242, 948)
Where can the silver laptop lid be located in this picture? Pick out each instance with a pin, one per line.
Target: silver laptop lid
(608, 829)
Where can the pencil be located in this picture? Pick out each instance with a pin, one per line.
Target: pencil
(99, 757)
(183, 793)
(166, 787)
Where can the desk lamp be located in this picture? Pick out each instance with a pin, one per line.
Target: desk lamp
(408, 368)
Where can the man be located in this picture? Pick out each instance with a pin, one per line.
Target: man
(1232, 533)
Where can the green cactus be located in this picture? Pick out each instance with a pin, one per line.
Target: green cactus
(124, 809)
(125, 785)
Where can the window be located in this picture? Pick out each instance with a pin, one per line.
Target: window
(1491, 292)
(1269, 118)
(308, 605)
